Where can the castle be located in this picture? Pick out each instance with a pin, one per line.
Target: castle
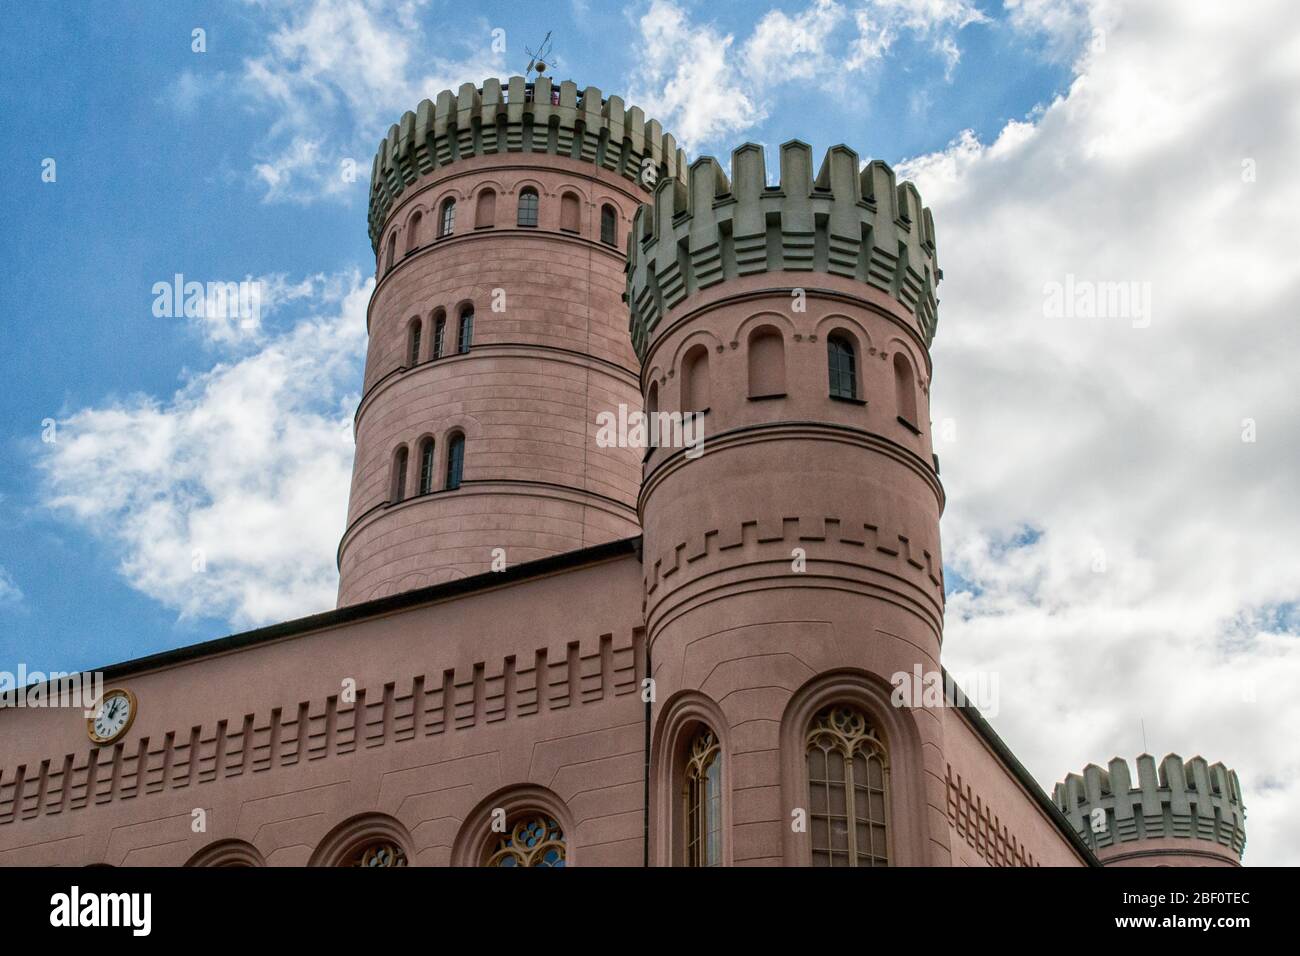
(552, 650)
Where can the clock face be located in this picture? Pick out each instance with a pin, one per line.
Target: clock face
(113, 717)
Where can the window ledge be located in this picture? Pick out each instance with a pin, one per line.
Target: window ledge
(763, 398)
(851, 401)
(908, 425)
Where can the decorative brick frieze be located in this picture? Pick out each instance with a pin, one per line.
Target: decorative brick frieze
(974, 821)
(452, 700)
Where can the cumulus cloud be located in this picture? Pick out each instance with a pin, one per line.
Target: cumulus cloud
(336, 74)
(1121, 521)
(705, 86)
(196, 492)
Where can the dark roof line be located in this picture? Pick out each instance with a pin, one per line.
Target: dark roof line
(379, 606)
(1026, 779)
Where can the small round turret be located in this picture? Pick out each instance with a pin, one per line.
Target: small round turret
(1179, 814)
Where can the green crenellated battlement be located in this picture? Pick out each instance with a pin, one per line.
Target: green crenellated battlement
(848, 220)
(1177, 799)
(519, 117)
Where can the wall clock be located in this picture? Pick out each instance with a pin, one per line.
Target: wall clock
(114, 716)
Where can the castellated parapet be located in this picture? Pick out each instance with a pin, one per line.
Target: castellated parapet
(1173, 813)
(519, 117)
(850, 221)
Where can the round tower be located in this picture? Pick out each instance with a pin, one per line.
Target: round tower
(1180, 814)
(497, 334)
(791, 559)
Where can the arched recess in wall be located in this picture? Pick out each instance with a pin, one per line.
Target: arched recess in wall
(525, 806)
(228, 853)
(413, 231)
(397, 481)
(485, 209)
(391, 257)
(695, 379)
(905, 390)
(766, 354)
(570, 213)
(369, 840)
(906, 826)
(691, 738)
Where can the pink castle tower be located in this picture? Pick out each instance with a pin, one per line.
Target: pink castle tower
(794, 566)
(497, 334)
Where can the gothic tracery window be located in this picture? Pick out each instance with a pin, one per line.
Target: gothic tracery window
(534, 840)
(703, 794)
(378, 853)
(848, 782)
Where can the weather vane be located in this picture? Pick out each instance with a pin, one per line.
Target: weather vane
(542, 59)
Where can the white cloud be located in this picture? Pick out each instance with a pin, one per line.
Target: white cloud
(216, 474)
(1158, 586)
(705, 87)
(11, 595)
(337, 73)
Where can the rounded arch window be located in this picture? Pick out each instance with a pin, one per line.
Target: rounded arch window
(842, 366)
(485, 212)
(766, 354)
(413, 334)
(695, 380)
(397, 491)
(532, 839)
(528, 204)
(439, 333)
(392, 251)
(848, 789)
(570, 213)
(447, 223)
(608, 225)
(426, 466)
(905, 390)
(455, 461)
(413, 231)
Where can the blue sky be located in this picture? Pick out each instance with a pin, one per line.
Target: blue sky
(1119, 535)
(156, 146)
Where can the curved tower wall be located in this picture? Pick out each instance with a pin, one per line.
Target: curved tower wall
(754, 280)
(1180, 813)
(549, 348)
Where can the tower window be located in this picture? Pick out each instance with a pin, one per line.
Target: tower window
(608, 225)
(466, 336)
(398, 490)
(528, 207)
(392, 251)
(842, 367)
(413, 344)
(570, 213)
(455, 461)
(448, 224)
(439, 333)
(703, 795)
(848, 783)
(426, 466)
(695, 380)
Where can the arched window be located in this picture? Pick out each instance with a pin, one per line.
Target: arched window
(413, 343)
(413, 232)
(426, 466)
(842, 366)
(439, 332)
(766, 363)
(392, 250)
(465, 338)
(455, 461)
(703, 795)
(848, 784)
(905, 390)
(528, 207)
(447, 225)
(398, 489)
(485, 214)
(534, 839)
(608, 225)
(570, 213)
(695, 380)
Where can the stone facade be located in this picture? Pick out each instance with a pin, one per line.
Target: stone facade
(547, 649)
